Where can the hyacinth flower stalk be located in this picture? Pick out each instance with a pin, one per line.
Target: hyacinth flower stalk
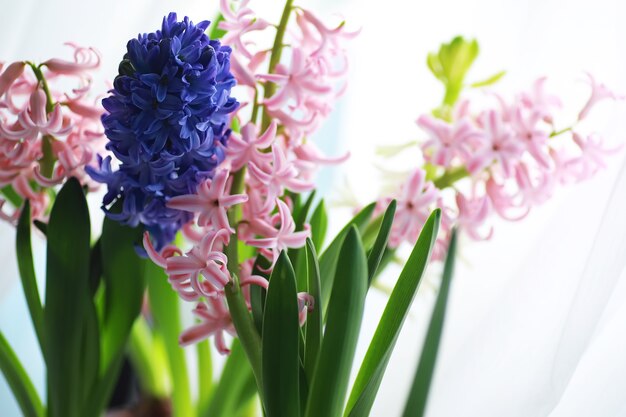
(485, 154)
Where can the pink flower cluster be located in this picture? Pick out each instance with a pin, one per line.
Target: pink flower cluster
(265, 160)
(502, 159)
(47, 134)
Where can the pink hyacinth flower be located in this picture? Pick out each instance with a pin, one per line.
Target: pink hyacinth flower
(215, 320)
(283, 238)
(34, 121)
(11, 73)
(599, 92)
(534, 138)
(504, 202)
(447, 140)
(211, 201)
(247, 147)
(238, 23)
(295, 84)
(500, 146)
(85, 59)
(473, 212)
(282, 175)
(413, 208)
(539, 101)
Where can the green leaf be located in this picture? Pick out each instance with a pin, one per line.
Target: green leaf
(303, 212)
(67, 298)
(345, 313)
(216, 32)
(257, 294)
(376, 254)
(281, 334)
(124, 285)
(418, 396)
(146, 351)
(13, 197)
(450, 65)
(205, 376)
(19, 382)
(231, 390)
(164, 304)
(328, 259)
(27, 272)
(319, 225)
(314, 318)
(489, 81)
(381, 347)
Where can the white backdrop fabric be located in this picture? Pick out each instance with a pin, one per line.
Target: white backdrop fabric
(536, 321)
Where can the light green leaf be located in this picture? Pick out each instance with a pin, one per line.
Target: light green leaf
(281, 334)
(345, 313)
(418, 396)
(231, 390)
(489, 81)
(381, 347)
(19, 381)
(164, 304)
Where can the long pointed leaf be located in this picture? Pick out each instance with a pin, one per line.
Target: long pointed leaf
(19, 382)
(418, 396)
(345, 313)
(319, 225)
(164, 304)
(375, 362)
(27, 272)
(67, 296)
(280, 343)
(376, 254)
(124, 284)
(314, 318)
(328, 259)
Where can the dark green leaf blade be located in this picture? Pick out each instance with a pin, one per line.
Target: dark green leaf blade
(19, 382)
(27, 272)
(418, 396)
(319, 225)
(375, 362)
(314, 318)
(124, 285)
(67, 296)
(281, 366)
(380, 244)
(345, 313)
(328, 259)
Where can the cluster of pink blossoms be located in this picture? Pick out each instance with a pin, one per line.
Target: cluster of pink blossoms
(269, 158)
(47, 134)
(501, 159)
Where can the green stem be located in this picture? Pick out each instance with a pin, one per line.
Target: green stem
(246, 331)
(44, 85)
(448, 178)
(560, 132)
(277, 49)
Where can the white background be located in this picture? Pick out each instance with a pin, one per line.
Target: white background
(517, 342)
